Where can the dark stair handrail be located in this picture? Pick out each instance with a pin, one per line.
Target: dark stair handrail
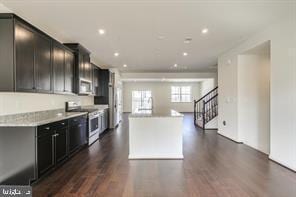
(206, 108)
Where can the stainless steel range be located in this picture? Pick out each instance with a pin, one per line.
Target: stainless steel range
(93, 119)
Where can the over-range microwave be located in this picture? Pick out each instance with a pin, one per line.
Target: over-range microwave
(85, 86)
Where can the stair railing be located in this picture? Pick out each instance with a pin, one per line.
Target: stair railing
(206, 108)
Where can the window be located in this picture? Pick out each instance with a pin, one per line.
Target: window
(141, 100)
(180, 94)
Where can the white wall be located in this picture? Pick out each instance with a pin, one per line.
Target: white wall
(12, 103)
(227, 99)
(161, 93)
(282, 89)
(254, 100)
(207, 85)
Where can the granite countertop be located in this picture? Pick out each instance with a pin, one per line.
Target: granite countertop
(34, 119)
(151, 114)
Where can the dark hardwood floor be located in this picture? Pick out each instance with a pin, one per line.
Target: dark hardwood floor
(213, 166)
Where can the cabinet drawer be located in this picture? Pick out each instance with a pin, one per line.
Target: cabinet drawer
(47, 128)
(77, 120)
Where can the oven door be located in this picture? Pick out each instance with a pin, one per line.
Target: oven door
(94, 125)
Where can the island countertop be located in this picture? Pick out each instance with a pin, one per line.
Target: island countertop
(151, 114)
(34, 119)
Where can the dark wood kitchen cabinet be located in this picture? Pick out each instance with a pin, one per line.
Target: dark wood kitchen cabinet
(45, 153)
(82, 69)
(69, 72)
(43, 66)
(95, 72)
(61, 145)
(51, 146)
(102, 97)
(31, 60)
(58, 68)
(63, 69)
(24, 57)
(77, 133)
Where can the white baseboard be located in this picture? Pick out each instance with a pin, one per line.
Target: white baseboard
(282, 163)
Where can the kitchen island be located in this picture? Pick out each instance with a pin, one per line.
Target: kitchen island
(155, 135)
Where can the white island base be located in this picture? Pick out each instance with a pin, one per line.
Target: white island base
(156, 136)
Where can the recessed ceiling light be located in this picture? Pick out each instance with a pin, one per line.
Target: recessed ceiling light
(102, 31)
(124, 65)
(204, 30)
(175, 65)
(116, 54)
(185, 54)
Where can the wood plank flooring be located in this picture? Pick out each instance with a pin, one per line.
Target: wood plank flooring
(213, 166)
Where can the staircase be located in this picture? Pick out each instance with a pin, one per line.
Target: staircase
(206, 108)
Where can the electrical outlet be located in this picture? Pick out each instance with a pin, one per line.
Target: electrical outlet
(224, 122)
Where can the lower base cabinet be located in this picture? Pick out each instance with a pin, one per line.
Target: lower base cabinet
(77, 133)
(61, 151)
(45, 149)
(55, 141)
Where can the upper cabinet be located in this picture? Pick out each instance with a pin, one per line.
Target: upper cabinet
(69, 71)
(58, 67)
(83, 69)
(95, 72)
(32, 61)
(63, 68)
(43, 68)
(24, 57)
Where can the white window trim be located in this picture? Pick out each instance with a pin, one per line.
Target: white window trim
(180, 94)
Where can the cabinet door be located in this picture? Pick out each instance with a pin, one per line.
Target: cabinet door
(42, 63)
(74, 137)
(87, 67)
(59, 68)
(105, 88)
(69, 71)
(95, 81)
(81, 69)
(83, 133)
(24, 56)
(45, 149)
(61, 144)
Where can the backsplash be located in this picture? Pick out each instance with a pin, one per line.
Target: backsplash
(14, 103)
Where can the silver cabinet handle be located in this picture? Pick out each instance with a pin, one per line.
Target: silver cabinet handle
(47, 128)
(63, 123)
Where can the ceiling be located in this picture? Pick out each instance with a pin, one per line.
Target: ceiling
(149, 35)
